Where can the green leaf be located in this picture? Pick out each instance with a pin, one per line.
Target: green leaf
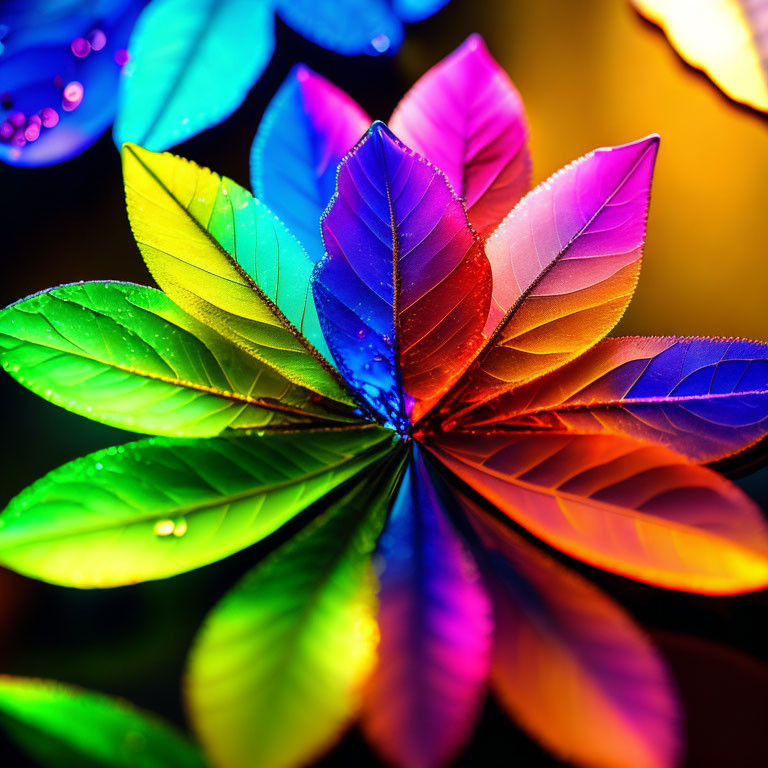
(162, 506)
(63, 727)
(126, 355)
(276, 672)
(224, 258)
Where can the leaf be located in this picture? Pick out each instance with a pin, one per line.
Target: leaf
(465, 116)
(276, 672)
(404, 289)
(426, 692)
(309, 126)
(569, 665)
(191, 66)
(417, 10)
(704, 398)
(64, 726)
(565, 263)
(219, 255)
(633, 508)
(725, 38)
(63, 102)
(126, 355)
(351, 27)
(159, 507)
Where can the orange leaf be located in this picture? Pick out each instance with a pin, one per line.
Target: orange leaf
(633, 508)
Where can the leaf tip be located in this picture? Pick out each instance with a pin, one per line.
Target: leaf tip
(474, 45)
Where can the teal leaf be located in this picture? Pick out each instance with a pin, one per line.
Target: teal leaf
(127, 356)
(191, 66)
(63, 726)
(159, 507)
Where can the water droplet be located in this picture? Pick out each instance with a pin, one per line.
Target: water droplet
(73, 95)
(97, 39)
(80, 47)
(164, 527)
(380, 43)
(49, 116)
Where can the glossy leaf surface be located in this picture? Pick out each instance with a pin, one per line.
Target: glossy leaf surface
(725, 38)
(570, 666)
(467, 118)
(219, 255)
(405, 287)
(162, 506)
(308, 128)
(705, 398)
(351, 27)
(435, 621)
(126, 355)
(191, 66)
(276, 673)
(565, 264)
(64, 726)
(62, 100)
(633, 508)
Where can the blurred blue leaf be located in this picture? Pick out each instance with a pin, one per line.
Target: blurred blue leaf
(60, 64)
(307, 129)
(191, 67)
(351, 27)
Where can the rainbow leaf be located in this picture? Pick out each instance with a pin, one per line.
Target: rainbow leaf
(404, 289)
(64, 726)
(465, 116)
(220, 255)
(276, 672)
(126, 355)
(704, 398)
(191, 66)
(435, 621)
(307, 129)
(633, 508)
(158, 507)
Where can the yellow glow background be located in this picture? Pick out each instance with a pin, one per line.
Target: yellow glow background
(594, 73)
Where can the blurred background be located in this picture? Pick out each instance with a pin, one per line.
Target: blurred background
(591, 73)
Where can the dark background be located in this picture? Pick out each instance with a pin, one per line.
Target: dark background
(591, 73)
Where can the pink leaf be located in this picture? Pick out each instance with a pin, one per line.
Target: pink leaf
(467, 118)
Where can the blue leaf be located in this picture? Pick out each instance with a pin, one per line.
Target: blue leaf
(351, 27)
(307, 129)
(191, 66)
(59, 69)
(417, 10)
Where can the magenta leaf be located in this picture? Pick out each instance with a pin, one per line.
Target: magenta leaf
(435, 623)
(467, 118)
